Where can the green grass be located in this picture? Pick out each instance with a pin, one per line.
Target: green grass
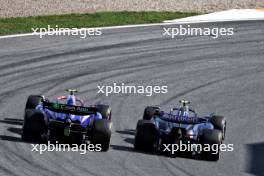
(24, 24)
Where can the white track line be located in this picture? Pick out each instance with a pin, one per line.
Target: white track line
(228, 15)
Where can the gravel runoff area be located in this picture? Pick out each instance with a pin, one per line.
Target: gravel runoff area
(15, 8)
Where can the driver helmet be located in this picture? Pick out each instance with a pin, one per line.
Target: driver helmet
(71, 98)
(184, 107)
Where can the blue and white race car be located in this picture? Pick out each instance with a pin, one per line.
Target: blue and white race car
(180, 125)
(66, 119)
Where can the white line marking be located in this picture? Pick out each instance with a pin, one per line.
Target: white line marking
(228, 15)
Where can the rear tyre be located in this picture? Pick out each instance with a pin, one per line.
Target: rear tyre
(149, 112)
(33, 126)
(33, 101)
(212, 139)
(219, 123)
(26, 135)
(102, 133)
(105, 111)
(146, 134)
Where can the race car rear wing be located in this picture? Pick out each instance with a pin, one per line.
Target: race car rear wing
(68, 109)
(183, 119)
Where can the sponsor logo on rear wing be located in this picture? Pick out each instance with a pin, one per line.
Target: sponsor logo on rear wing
(68, 109)
(182, 119)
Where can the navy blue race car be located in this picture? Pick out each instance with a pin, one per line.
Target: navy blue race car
(180, 125)
(67, 119)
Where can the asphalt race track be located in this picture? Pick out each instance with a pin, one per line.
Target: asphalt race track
(224, 75)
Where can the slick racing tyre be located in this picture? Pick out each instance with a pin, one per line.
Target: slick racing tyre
(33, 126)
(33, 101)
(219, 123)
(212, 139)
(105, 111)
(102, 133)
(149, 112)
(146, 135)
